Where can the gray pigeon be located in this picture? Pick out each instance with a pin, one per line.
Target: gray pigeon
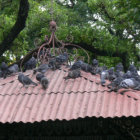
(77, 65)
(103, 77)
(44, 82)
(132, 69)
(73, 74)
(127, 75)
(114, 85)
(119, 67)
(111, 74)
(4, 69)
(42, 68)
(86, 67)
(95, 63)
(30, 64)
(13, 69)
(62, 58)
(39, 76)
(53, 64)
(129, 83)
(25, 80)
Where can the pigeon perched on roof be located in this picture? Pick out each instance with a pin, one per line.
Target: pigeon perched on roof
(13, 69)
(53, 64)
(4, 69)
(132, 69)
(95, 63)
(30, 64)
(62, 58)
(44, 82)
(73, 74)
(103, 77)
(114, 85)
(25, 80)
(39, 76)
(119, 67)
(42, 68)
(86, 67)
(77, 65)
(111, 74)
(128, 83)
(127, 75)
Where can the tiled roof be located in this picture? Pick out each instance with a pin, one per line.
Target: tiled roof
(64, 99)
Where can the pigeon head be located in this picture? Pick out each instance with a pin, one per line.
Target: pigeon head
(95, 62)
(119, 67)
(132, 68)
(111, 70)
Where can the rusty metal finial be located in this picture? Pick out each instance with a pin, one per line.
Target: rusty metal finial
(52, 46)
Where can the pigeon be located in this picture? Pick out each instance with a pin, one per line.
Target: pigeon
(25, 80)
(13, 69)
(73, 74)
(111, 74)
(44, 82)
(130, 83)
(127, 83)
(42, 68)
(114, 85)
(62, 58)
(77, 65)
(127, 75)
(132, 69)
(4, 69)
(104, 76)
(39, 76)
(86, 67)
(95, 63)
(119, 67)
(53, 64)
(30, 64)
(95, 69)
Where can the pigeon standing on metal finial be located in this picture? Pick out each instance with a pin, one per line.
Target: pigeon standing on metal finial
(25, 80)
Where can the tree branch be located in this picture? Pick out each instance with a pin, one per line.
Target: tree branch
(16, 29)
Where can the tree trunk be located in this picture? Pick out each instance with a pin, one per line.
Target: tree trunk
(17, 28)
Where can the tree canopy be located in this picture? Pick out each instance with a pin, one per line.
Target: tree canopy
(108, 29)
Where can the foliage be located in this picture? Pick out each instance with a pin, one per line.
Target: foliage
(109, 25)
